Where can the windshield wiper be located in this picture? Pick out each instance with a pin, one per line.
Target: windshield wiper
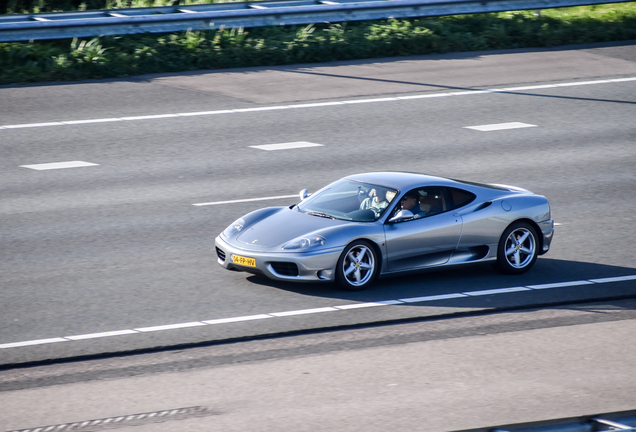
(319, 214)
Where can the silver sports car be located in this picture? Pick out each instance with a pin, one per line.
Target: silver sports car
(381, 224)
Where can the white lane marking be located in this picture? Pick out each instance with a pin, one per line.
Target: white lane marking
(100, 335)
(370, 304)
(246, 200)
(472, 92)
(169, 326)
(149, 117)
(320, 310)
(580, 83)
(271, 108)
(286, 146)
(496, 291)
(316, 104)
(500, 126)
(238, 319)
(31, 125)
(423, 96)
(304, 311)
(532, 87)
(205, 113)
(560, 284)
(321, 104)
(33, 342)
(79, 122)
(614, 279)
(374, 100)
(59, 165)
(432, 298)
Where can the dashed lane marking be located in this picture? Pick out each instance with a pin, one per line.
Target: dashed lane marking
(318, 105)
(286, 146)
(500, 126)
(59, 165)
(284, 314)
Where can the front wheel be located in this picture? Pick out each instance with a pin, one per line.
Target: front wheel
(357, 266)
(517, 249)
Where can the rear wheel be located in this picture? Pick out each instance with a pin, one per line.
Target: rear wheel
(358, 266)
(517, 249)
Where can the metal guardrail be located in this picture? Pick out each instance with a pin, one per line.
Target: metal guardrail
(623, 420)
(61, 25)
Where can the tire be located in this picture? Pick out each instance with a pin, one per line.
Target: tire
(518, 248)
(357, 267)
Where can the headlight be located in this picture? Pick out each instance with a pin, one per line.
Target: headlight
(234, 228)
(305, 242)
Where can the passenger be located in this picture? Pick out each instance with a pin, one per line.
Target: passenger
(377, 201)
(430, 204)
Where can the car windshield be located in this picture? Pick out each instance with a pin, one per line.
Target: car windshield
(349, 200)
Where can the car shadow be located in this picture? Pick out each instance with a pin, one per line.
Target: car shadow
(477, 277)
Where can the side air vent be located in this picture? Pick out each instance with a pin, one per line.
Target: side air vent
(483, 206)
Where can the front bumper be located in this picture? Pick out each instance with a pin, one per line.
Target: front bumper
(547, 233)
(311, 266)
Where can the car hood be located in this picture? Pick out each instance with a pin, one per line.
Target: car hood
(282, 227)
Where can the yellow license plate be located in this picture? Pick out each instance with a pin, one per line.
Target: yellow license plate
(244, 261)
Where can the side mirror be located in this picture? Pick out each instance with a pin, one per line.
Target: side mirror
(402, 216)
(303, 194)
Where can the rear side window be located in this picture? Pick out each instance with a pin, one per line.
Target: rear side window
(459, 197)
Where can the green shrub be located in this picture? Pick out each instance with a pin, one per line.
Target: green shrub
(120, 56)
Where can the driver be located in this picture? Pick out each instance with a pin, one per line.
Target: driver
(410, 202)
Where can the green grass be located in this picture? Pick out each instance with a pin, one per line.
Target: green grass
(110, 57)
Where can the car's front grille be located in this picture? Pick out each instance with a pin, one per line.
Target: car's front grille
(220, 254)
(285, 268)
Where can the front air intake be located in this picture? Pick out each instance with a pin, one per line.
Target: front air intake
(285, 268)
(220, 254)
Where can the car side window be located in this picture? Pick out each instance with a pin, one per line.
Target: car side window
(459, 198)
(422, 202)
(431, 200)
(439, 199)
(409, 202)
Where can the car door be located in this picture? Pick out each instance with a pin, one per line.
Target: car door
(424, 242)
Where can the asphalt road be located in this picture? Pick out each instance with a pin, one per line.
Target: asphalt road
(440, 375)
(120, 247)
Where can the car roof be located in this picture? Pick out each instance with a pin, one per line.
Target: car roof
(403, 180)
